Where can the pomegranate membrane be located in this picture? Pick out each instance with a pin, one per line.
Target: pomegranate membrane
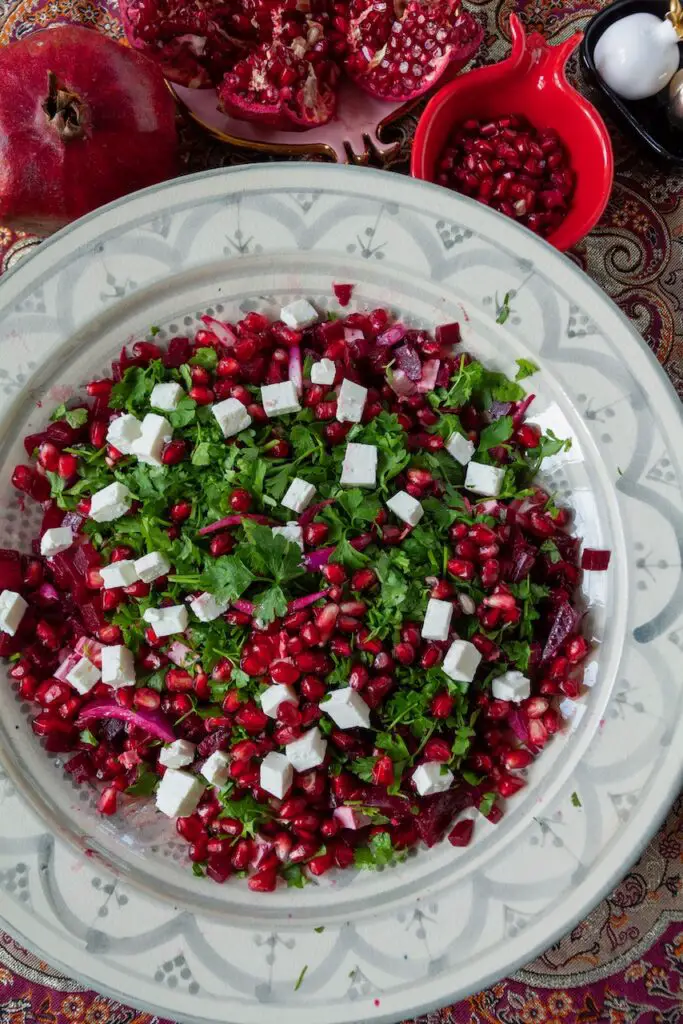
(297, 583)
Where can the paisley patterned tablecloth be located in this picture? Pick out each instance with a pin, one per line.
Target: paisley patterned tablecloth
(624, 963)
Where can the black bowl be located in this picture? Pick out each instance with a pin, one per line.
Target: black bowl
(648, 118)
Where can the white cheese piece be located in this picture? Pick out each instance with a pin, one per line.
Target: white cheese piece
(299, 495)
(178, 754)
(460, 448)
(347, 709)
(437, 620)
(573, 711)
(461, 661)
(231, 416)
(123, 432)
(482, 479)
(110, 503)
(512, 686)
(215, 768)
(178, 793)
(299, 314)
(156, 432)
(84, 675)
(118, 667)
(359, 468)
(280, 399)
(56, 540)
(349, 817)
(308, 751)
(432, 777)
(166, 396)
(152, 566)
(351, 400)
(167, 621)
(207, 608)
(276, 775)
(119, 574)
(12, 610)
(323, 372)
(291, 532)
(273, 696)
(406, 507)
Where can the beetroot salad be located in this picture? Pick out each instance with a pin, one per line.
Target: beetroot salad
(295, 583)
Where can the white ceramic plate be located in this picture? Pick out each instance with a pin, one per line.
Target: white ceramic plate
(129, 918)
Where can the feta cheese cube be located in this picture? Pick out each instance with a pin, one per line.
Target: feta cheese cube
(119, 574)
(166, 396)
(437, 620)
(156, 432)
(351, 401)
(308, 751)
(84, 675)
(277, 774)
(56, 540)
(406, 507)
(482, 479)
(273, 696)
(123, 432)
(280, 399)
(118, 667)
(178, 793)
(12, 610)
(347, 709)
(432, 777)
(215, 768)
(178, 754)
(167, 621)
(359, 468)
(299, 314)
(573, 711)
(461, 448)
(207, 608)
(231, 416)
(150, 567)
(291, 532)
(461, 661)
(512, 686)
(323, 372)
(299, 495)
(110, 503)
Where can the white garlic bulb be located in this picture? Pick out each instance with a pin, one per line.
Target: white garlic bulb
(637, 56)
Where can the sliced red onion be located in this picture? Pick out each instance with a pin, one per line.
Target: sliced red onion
(315, 560)
(518, 724)
(48, 593)
(153, 722)
(392, 336)
(181, 655)
(409, 361)
(401, 384)
(595, 560)
(246, 607)
(430, 371)
(300, 603)
(311, 512)
(223, 331)
(520, 410)
(499, 409)
(235, 520)
(353, 334)
(90, 649)
(70, 661)
(74, 520)
(296, 374)
(565, 624)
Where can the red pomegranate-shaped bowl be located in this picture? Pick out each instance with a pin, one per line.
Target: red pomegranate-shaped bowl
(530, 83)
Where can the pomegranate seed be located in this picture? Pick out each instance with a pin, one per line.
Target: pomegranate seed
(404, 653)
(319, 865)
(263, 881)
(240, 500)
(363, 579)
(285, 672)
(313, 688)
(251, 718)
(173, 452)
(147, 699)
(180, 511)
(441, 590)
(316, 534)
(437, 750)
(461, 568)
(551, 721)
(538, 734)
(576, 649)
(107, 802)
(138, 589)
(442, 705)
(383, 771)
(431, 656)
(221, 544)
(334, 573)
(508, 785)
(67, 466)
(201, 395)
(461, 834)
(48, 456)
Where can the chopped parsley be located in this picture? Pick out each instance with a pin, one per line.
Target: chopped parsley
(576, 802)
(299, 980)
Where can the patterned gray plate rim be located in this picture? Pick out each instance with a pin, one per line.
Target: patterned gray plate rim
(447, 922)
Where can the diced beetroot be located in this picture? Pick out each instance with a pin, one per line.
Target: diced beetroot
(568, 547)
(437, 813)
(85, 557)
(33, 441)
(395, 806)
(218, 740)
(177, 353)
(566, 622)
(80, 767)
(401, 384)
(444, 374)
(52, 517)
(11, 575)
(448, 334)
(62, 435)
(409, 361)
(523, 559)
(343, 293)
(392, 336)
(595, 561)
(93, 619)
(73, 519)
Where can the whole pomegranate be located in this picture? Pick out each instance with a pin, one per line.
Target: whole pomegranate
(279, 62)
(83, 122)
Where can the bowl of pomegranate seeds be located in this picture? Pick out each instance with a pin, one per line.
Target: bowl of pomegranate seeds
(332, 511)
(518, 138)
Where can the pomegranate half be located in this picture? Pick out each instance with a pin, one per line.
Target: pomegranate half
(83, 121)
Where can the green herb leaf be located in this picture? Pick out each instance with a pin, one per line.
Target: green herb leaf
(206, 357)
(576, 802)
(496, 433)
(526, 369)
(198, 870)
(320, 929)
(294, 876)
(486, 803)
(87, 737)
(300, 979)
(377, 854)
(504, 309)
(145, 784)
